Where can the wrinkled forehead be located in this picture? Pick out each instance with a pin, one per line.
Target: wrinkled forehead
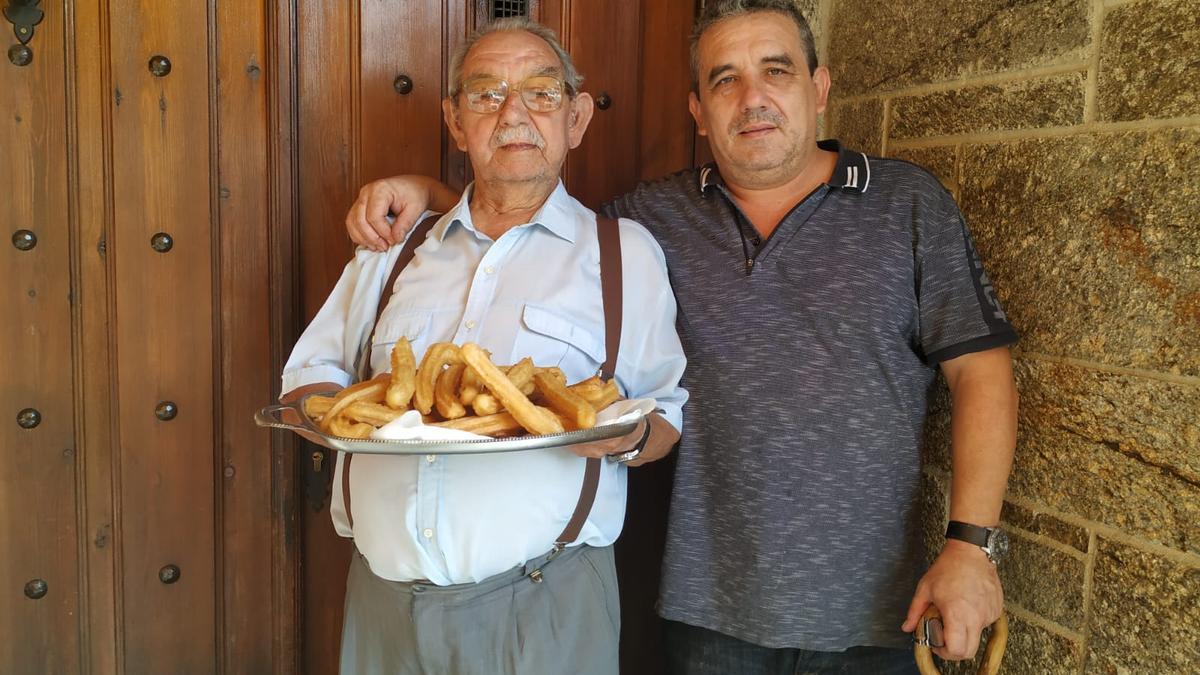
(511, 55)
(748, 39)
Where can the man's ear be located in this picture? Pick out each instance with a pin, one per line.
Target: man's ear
(697, 113)
(582, 109)
(822, 82)
(450, 114)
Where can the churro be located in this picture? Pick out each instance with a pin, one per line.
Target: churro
(561, 400)
(536, 420)
(437, 357)
(373, 390)
(445, 395)
(404, 375)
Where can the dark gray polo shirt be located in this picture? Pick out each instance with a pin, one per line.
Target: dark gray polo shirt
(810, 357)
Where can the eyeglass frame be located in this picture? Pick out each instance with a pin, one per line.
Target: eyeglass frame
(564, 87)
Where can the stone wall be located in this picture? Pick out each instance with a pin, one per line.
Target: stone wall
(1069, 132)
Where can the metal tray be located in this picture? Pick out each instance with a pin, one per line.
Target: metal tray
(273, 416)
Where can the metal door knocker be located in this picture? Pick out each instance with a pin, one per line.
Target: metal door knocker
(23, 15)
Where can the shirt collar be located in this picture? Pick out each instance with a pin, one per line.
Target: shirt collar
(852, 171)
(555, 216)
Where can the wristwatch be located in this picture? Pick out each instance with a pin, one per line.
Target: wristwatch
(635, 451)
(992, 540)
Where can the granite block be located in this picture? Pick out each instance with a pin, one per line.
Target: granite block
(1115, 449)
(884, 46)
(1145, 612)
(1056, 101)
(1044, 580)
(1150, 61)
(1092, 245)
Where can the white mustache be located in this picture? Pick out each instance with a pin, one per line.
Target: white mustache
(521, 134)
(754, 117)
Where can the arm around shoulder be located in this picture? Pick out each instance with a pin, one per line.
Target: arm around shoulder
(405, 197)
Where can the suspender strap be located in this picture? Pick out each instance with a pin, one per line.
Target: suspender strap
(609, 234)
(406, 255)
(610, 288)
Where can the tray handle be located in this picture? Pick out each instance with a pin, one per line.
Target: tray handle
(271, 416)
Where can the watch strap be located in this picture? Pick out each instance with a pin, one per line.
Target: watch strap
(972, 534)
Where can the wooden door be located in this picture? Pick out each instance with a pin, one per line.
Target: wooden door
(148, 190)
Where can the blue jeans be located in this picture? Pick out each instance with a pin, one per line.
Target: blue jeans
(692, 650)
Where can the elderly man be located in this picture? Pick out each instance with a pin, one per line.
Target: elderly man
(458, 569)
(819, 293)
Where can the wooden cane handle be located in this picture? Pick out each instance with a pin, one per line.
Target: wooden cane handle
(923, 653)
(992, 656)
(997, 642)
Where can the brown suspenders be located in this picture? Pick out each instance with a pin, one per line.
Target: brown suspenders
(609, 235)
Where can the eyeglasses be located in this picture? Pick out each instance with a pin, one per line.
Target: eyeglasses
(539, 93)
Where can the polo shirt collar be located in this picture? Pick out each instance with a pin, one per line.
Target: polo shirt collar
(555, 216)
(851, 173)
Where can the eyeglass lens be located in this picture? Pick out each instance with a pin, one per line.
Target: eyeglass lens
(540, 93)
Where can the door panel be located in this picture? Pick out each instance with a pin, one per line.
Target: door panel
(91, 198)
(164, 336)
(605, 164)
(326, 54)
(665, 133)
(244, 462)
(326, 156)
(38, 549)
(401, 132)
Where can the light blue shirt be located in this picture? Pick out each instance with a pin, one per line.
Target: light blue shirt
(533, 292)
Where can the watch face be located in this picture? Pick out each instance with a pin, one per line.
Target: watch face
(997, 545)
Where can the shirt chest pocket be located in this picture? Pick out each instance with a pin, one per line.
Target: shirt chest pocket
(553, 338)
(393, 325)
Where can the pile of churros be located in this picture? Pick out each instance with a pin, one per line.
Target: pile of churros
(460, 388)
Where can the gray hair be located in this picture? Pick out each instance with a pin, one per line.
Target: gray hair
(718, 10)
(571, 77)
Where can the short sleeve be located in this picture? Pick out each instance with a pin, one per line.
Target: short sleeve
(959, 311)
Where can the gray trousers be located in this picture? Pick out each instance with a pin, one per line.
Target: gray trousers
(567, 623)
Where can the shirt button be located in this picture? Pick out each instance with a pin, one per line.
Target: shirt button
(489, 269)
(428, 533)
(431, 458)
(470, 325)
